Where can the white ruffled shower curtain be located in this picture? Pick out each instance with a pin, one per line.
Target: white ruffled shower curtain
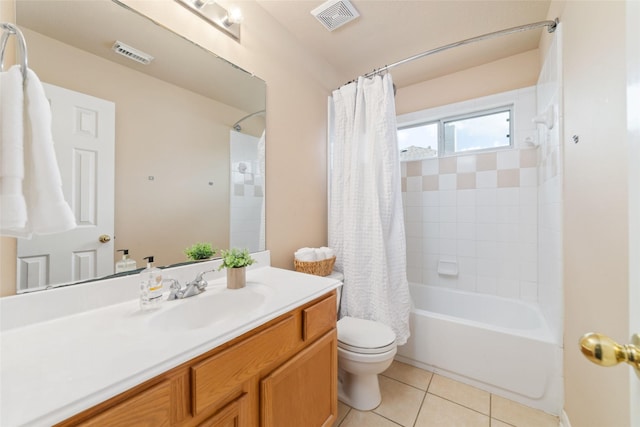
(366, 224)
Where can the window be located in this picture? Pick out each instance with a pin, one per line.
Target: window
(418, 142)
(481, 130)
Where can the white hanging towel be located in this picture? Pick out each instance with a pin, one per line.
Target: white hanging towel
(13, 207)
(47, 211)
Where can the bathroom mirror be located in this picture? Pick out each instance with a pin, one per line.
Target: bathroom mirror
(180, 168)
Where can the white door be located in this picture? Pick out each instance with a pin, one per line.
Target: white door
(84, 136)
(633, 129)
(632, 395)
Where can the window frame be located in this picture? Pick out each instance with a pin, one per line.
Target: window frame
(421, 124)
(441, 121)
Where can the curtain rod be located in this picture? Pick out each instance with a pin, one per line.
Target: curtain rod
(551, 27)
(236, 124)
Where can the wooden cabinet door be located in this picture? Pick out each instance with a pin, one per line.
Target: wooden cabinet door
(234, 414)
(303, 391)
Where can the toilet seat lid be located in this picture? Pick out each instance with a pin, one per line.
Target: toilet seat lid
(365, 336)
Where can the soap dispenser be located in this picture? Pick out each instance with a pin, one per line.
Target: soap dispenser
(150, 286)
(126, 263)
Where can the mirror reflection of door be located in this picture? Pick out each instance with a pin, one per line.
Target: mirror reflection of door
(84, 136)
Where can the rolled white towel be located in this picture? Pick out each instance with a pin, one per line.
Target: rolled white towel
(328, 252)
(306, 254)
(304, 250)
(320, 255)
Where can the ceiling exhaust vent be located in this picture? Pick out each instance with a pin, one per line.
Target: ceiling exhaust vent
(132, 53)
(335, 13)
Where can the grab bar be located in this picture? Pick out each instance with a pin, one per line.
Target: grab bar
(8, 30)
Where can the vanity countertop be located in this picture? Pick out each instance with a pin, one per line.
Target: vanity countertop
(54, 369)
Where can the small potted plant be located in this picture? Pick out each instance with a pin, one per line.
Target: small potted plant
(236, 261)
(200, 251)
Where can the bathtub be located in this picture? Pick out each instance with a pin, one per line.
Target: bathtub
(500, 345)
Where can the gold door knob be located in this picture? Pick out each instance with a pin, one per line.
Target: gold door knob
(104, 238)
(603, 351)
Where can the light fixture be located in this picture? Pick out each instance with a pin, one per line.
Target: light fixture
(234, 16)
(227, 21)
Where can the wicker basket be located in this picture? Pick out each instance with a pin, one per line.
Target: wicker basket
(317, 268)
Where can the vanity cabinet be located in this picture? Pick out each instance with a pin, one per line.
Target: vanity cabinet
(150, 407)
(312, 374)
(233, 414)
(283, 373)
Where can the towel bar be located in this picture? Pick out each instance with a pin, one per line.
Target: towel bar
(8, 30)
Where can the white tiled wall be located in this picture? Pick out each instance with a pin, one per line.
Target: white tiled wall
(550, 290)
(478, 210)
(247, 192)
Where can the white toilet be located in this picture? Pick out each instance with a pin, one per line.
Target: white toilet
(365, 349)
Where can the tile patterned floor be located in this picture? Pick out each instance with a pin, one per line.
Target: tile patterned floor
(412, 397)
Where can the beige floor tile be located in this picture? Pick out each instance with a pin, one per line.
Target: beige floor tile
(419, 378)
(439, 412)
(448, 403)
(463, 394)
(519, 415)
(343, 410)
(400, 402)
(498, 423)
(366, 419)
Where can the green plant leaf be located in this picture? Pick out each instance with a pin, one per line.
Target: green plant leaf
(235, 258)
(200, 251)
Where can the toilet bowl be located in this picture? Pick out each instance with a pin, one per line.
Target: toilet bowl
(365, 349)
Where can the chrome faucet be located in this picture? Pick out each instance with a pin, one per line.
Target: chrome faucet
(194, 287)
(176, 292)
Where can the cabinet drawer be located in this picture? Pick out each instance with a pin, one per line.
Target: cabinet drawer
(224, 372)
(319, 318)
(151, 407)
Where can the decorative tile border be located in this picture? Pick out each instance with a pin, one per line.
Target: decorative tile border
(500, 169)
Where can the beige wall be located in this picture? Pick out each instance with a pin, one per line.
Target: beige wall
(595, 201)
(514, 72)
(183, 156)
(297, 89)
(595, 217)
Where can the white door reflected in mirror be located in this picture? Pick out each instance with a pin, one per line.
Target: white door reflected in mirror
(83, 129)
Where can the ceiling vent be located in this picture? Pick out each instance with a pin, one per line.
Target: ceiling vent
(132, 53)
(335, 13)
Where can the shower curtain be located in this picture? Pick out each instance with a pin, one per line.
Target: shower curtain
(366, 225)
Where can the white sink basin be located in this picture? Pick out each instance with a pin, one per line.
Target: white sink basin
(213, 306)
